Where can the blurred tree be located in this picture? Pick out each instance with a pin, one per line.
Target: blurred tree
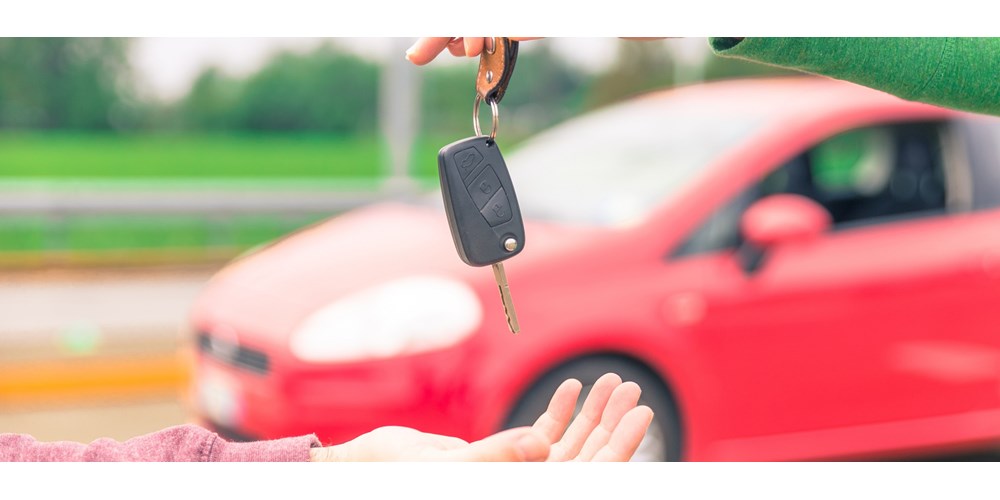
(86, 83)
(446, 99)
(61, 82)
(327, 89)
(640, 67)
(543, 90)
(210, 103)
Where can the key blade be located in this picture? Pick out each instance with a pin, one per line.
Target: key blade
(508, 304)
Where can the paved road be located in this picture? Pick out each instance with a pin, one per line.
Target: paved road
(51, 322)
(85, 422)
(53, 314)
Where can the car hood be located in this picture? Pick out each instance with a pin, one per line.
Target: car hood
(268, 293)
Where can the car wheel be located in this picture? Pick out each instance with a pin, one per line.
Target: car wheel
(663, 439)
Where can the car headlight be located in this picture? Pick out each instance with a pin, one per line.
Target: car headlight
(405, 316)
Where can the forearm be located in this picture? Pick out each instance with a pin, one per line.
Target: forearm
(185, 443)
(953, 72)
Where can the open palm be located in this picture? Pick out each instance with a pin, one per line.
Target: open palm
(609, 427)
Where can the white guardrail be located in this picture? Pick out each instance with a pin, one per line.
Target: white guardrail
(211, 198)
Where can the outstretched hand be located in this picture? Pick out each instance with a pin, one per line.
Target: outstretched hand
(608, 428)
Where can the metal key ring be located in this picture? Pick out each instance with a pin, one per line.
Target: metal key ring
(475, 117)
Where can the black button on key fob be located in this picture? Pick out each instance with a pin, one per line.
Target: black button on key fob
(479, 199)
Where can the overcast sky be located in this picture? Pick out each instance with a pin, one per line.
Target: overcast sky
(167, 66)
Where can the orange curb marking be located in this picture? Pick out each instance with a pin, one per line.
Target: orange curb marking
(34, 259)
(92, 378)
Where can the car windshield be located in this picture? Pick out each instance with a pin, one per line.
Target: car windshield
(612, 167)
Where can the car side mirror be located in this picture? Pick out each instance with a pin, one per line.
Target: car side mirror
(777, 220)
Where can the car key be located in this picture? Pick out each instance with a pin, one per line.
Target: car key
(482, 209)
(479, 199)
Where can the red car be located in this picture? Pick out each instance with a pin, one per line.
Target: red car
(790, 268)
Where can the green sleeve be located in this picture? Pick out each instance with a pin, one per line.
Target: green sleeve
(960, 73)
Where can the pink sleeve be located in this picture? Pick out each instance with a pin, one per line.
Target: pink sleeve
(183, 443)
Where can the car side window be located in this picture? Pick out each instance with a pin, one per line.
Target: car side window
(863, 176)
(982, 145)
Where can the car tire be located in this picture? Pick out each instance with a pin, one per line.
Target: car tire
(663, 439)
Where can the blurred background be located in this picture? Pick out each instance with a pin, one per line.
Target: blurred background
(132, 169)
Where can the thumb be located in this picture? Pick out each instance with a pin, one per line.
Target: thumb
(514, 445)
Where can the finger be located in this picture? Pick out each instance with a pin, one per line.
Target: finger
(426, 49)
(627, 436)
(522, 444)
(590, 415)
(457, 47)
(553, 422)
(474, 46)
(623, 399)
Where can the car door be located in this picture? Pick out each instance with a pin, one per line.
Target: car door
(887, 318)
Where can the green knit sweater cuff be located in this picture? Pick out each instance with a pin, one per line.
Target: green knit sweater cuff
(953, 72)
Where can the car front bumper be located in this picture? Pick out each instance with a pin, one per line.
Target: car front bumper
(335, 402)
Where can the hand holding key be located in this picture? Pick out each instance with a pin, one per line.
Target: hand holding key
(427, 48)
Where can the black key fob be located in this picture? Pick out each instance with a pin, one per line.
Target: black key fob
(479, 199)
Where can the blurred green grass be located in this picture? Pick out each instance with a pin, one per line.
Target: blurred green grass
(61, 160)
(60, 155)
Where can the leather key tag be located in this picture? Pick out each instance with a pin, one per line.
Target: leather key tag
(495, 69)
